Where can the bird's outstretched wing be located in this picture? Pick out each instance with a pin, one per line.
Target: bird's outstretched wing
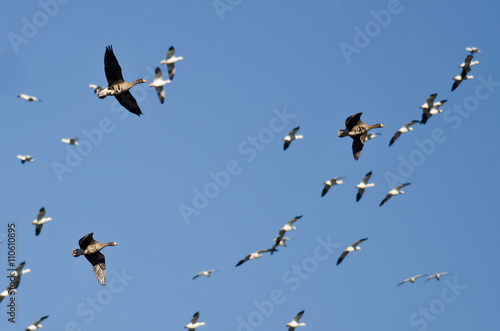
(111, 67)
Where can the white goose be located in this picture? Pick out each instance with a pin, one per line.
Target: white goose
(283, 241)
(158, 84)
(427, 113)
(404, 129)
(437, 275)
(194, 322)
(363, 185)
(287, 227)
(411, 279)
(204, 273)
(330, 183)
(18, 273)
(370, 136)
(253, 256)
(25, 158)
(463, 75)
(291, 137)
(473, 50)
(28, 97)
(8, 291)
(70, 141)
(354, 247)
(40, 220)
(170, 61)
(430, 101)
(395, 191)
(295, 322)
(97, 89)
(36, 325)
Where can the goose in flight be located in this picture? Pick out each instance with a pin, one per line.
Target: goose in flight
(8, 291)
(395, 191)
(253, 256)
(287, 227)
(25, 158)
(158, 84)
(363, 185)
(437, 275)
(29, 98)
(404, 129)
(291, 137)
(116, 85)
(283, 241)
(463, 75)
(194, 322)
(473, 50)
(411, 279)
(170, 62)
(18, 273)
(468, 62)
(330, 183)
(91, 249)
(358, 131)
(70, 141)
(36, 325)
(295, 322)
(97, 89)
(429, 103)
(352, 248)
(204, 273)
(40, 220)
(370, 136)
(427, 113)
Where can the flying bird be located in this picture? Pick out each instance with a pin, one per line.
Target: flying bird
(70, 141)
(295, 322)
(429, 103)
(370, 136)
(25, 158)
(194, 322)
(253, 256)
(91, 249)
(437, 275)
(358, 131)
(291, 137)
(463, 75)
(352, 248)
(363, 185)
(40, 220)
(330, 183)
(170, 61)
(116, 85)
(283, 241)
(36, 325)
(404, 129)
(158, 84)
(18, 273)
(28, 97)
(473, 50)
(8, 291)
(411, 279)
(204, 273)
(427, 113)
(395, 191)
(97, 89)
(287, 227)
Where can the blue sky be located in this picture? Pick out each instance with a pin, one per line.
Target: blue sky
(252, 71)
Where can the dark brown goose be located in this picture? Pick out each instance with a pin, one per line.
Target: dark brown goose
(357, 130)
(91, 249)
(116, 85)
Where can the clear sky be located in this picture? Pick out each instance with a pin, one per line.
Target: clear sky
(201, 181)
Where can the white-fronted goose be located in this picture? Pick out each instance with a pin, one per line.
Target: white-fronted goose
(116, 85)
(411, 279)
(363, 185)
(91, 249)
(29, 98)
(427, 113)
(330, 183)
(358, 131)
(463, 75)
(352, 248)
(473, 50)
(395, 191)
(253, 256)
(36, 325)
(170, 62)
(40, 220)
(291, 137)
(158, 84)
(204, 273)
(97, 89)
(8, 291)
(18, 273)
(194, 322)
(295, 322)
(70, 141)
(25, 158)
(437, 275)
(404, 129)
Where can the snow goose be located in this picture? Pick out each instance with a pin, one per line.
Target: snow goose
(25, 158)
(330, 183)
(395, 191)
(97, 89)
(463, 75)
(473, 50)
(8, 291)
(427, 113)
(291, 137)
(91, 249)
(411, 279)
(468, 62)
(194, 322)
(358, 131)
(287, 227)
(204, 273)
(430, 101)
(170, 61)
(352, 248)
(28, 97)
(40, 219)
(363, 185)
(70, 141)
(18, 273)
(36, 325)
(253, 256)
(283, 241)
(437, 275)
(158, 84)
(116, 85)
(370, 136)
(404, 129)
(295, 322)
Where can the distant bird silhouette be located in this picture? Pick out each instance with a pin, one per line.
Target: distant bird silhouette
(463, 75)
(330, 183)
(204, 273)
(158, 84)
(473, 50)
(70, 141)
(36, 325)
(8, 291)
(170, 62)
(253, 256)
(97, 89)
(358, 131)
(40, 220)
(28, 97)
(287, 227)
(194, 322)
(291, 137)
(363, 185)
(437, 275)
(395, 191)
(18, 273)
(295, 322)
(354, 247)
(25, 158)
(411, 279)
(404, 129)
